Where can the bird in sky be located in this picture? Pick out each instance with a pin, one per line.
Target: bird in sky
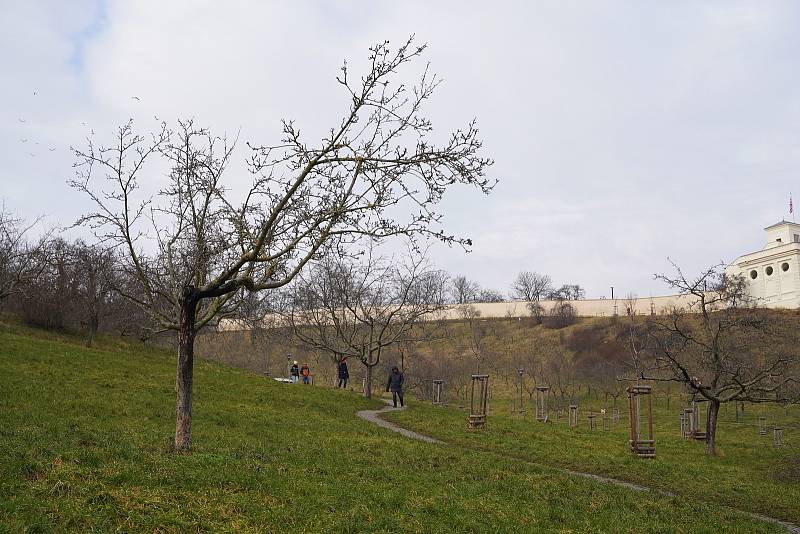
(32, 154)
(136, 98)
(51, 149)
(21, 119)
(23, 140)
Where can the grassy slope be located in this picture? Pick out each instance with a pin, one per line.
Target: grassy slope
(749, 474)
(85, 444)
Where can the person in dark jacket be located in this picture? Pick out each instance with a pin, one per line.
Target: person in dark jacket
(395, 383)
(343, 374)
(294, 372)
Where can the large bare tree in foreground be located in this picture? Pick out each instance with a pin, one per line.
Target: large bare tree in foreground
(723, 349)
(377, 173)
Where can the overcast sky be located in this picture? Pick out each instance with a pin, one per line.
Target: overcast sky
(623, 132)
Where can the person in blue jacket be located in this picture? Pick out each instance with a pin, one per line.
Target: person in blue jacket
(395, 383)
(343, 374)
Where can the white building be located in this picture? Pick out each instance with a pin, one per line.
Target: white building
(774, 271)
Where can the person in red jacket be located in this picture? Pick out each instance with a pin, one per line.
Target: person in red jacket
(305, 372)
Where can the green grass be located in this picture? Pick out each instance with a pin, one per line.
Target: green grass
(749, 472)
(85, 445)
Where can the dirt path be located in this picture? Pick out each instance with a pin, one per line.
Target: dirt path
(373, 417)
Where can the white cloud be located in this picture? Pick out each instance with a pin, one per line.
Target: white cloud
(623, 132)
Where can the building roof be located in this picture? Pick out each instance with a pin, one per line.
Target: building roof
(781, 223)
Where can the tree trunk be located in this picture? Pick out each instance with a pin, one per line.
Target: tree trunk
(368, 383)
(711, 427)
(93, 327)
(183, 378)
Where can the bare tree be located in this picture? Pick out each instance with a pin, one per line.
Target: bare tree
(479, 333)
(96, 282)
(257, 313)
(49, 300)
(536, 310)
(531, 286)
(21, 260)
(376, 173)
(722, 349)
(562, 314)
(558, 370)
(359, 309)
(464, 290)
(630, 302)
(490, 295)
(568, 292)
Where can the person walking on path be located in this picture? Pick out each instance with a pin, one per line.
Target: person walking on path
(294, 372)
(395, 383)
(305, 372)
(343, 374)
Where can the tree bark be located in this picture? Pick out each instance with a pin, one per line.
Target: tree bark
(94, 324)
(711, 427)
(183, 378)
(92, 304)
(368, 383)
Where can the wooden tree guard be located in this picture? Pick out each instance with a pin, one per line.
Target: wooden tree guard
(541, 403)
(591, 420)
(777, 436)
(687, 417)
(478, 401)
(642, 445)
(762, 426)
(693, 421)
(518, 404)
(437, 391)
(615, 416)
(606, 421)
(573, 416)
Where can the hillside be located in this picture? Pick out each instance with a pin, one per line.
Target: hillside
(585, 357)
(85, 445)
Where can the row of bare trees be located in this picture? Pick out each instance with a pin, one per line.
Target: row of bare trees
(54, 283)
(20, 253)
(528, 286)
(533, 287)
